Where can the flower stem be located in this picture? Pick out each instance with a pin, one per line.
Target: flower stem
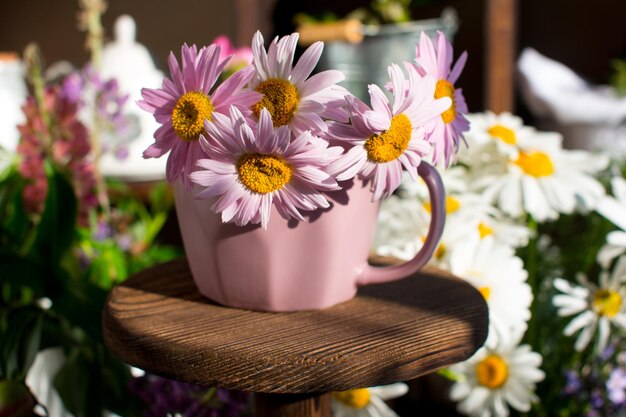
(34, 74)
(90, 20)
(206, 398)
(531, 268)
(101, 187)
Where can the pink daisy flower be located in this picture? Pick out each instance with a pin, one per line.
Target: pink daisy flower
(447, 129)
(183, 103)
(384, 139)
(250, 170)
(291, 97)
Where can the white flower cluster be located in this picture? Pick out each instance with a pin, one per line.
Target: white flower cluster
(599, 307)
(509, 176)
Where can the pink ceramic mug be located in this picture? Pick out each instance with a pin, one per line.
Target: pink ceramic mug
(295, 265)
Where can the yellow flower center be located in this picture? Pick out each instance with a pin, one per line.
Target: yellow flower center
(536, 164)
(492, 372)
(263, 173)
(280, 98)
(390, 144)
(503, 133)
(354, 398)
(440, 252)
(484, 230)
(485, 292)
(607, 302)
(452, 205)
(446, 89)
(189, 114)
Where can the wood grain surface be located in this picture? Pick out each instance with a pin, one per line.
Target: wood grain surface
(158, 321)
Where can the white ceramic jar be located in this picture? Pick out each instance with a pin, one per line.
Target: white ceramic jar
(12, 95)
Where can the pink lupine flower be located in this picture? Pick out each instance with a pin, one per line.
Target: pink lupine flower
(63, 140)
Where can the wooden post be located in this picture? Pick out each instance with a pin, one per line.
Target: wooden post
(248, 14)
(500, 53)
(292, 405)
(252, 15)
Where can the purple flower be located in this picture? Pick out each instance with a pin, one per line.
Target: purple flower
(607, 353)
(108, 100)
(597, 399)
(103, 230)
(125, 241)
(72, 87)
(572, 384)
(593, 413)
(121, 153)
(163, 397)
(616, 386)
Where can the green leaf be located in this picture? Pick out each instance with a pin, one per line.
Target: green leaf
(161, 197)
(14, 222)
(114, 379)
(155, 254)
(77, 384)
(20, 341)
(109, 267)
(22, 272)
(57, 228)
(81, 303)
(16, 399)
(154, 227)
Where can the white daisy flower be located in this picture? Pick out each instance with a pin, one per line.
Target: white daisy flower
(500, 375)
(503, 230)
(595, 307)
(544, 180)
(504, 130)
(403, 224)
(454, 180)
(367, 402)
(499, 276)
(614, 210)
(474, 213)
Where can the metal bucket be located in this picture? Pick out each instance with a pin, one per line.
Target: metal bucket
(366, 62)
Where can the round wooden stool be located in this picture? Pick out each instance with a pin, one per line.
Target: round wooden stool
(158, 321)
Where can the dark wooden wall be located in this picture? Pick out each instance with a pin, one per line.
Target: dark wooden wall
(162, 25)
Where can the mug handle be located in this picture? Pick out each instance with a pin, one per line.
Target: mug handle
(378, 275)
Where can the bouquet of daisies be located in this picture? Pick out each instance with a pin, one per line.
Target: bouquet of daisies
(274, 136)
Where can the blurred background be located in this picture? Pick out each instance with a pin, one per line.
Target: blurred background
(583, 35)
